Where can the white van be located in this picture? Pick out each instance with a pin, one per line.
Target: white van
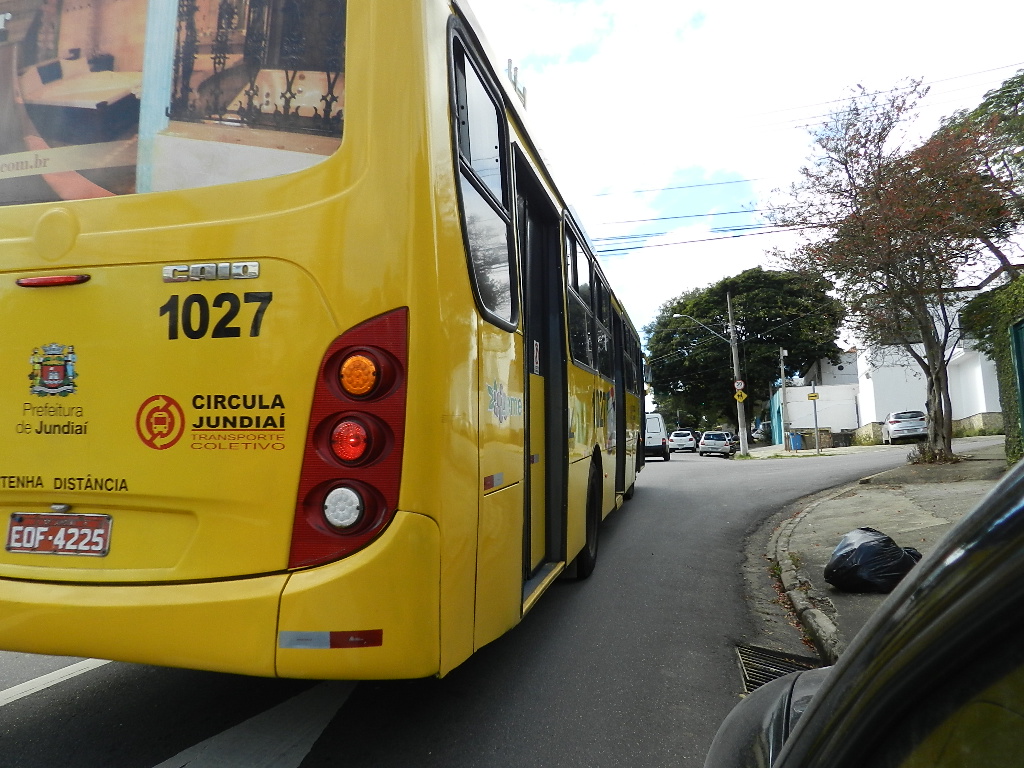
(656, 437)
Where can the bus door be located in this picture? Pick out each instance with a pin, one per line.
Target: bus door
(546, 399)
(619, 393)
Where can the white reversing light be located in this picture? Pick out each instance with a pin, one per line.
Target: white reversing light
(343, 507)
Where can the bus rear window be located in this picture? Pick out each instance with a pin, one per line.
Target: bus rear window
(114, 97)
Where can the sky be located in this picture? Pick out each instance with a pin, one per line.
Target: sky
(667, 123)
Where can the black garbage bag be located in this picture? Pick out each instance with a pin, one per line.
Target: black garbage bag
(869, 561)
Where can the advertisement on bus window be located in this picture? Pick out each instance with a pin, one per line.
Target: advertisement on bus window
(246, 78)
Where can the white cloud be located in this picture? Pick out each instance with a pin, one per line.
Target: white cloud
(625, 96)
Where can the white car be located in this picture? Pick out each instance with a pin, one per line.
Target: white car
(715, 443)
(682, 440)
(900, 424)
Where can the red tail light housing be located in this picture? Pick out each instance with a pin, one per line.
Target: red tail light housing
(352, 463)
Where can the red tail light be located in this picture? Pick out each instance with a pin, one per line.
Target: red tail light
(48, 281)
(351, 468)
(349, 440)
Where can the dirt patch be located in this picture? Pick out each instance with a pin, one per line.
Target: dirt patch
(970, 469)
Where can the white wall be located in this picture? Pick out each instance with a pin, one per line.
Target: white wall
(973, 387)
(895, 385)
(837, 407)
(824, 373)
(889, 387)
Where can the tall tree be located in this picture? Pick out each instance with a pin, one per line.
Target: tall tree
(690, 356)
(999, 119)
(895, 230)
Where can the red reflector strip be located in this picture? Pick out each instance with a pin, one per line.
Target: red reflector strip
(494, 481)
(363, 638)
(48, 281)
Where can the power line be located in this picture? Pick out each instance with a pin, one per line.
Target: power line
(685, 216)
(682, 186)
(875, 93)
(805, 122)
(621, 250)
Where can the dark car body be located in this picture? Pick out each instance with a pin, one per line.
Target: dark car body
(936, 677)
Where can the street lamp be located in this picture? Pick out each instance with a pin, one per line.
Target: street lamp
(741, 411)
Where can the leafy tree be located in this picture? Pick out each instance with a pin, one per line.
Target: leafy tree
(987, 318)
(999, 120)
(691, 359)
(895, 230)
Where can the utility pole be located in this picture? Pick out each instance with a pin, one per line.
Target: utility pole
(782, 399)
(741, 414)
(817, 446)
(741, 411)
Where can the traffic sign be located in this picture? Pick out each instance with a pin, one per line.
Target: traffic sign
(739, 385)
(740, 396)
(812, 395)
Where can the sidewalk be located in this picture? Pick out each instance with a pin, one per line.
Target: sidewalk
(914, 504)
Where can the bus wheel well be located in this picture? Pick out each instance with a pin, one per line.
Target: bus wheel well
(587, 557)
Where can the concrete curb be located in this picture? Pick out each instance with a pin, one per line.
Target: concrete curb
(819, 627)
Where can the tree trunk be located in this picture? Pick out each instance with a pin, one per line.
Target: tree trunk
(939, 446)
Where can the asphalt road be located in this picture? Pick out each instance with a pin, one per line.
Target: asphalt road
(635, 666)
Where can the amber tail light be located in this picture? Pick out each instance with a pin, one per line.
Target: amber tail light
(352, 462)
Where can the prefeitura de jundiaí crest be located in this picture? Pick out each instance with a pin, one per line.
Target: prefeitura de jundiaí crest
(53, 370)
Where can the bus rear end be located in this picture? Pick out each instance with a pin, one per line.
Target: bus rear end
(205, 374)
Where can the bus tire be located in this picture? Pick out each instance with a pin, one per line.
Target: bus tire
(587, 558)
(629, 492)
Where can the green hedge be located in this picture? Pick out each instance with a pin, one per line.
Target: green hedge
(988, 318)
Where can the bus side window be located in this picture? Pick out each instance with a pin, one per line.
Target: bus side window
(602, 312)
(631, 372)
(583, 275)
(479, 139)
(482, 176)
(579, 309)
(570, 255)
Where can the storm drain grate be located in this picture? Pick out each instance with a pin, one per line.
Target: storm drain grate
(761, 665)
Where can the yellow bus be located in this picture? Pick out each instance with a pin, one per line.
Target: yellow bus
(307, 369)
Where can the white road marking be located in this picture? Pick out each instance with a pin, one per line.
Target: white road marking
(45, 681)
(281, 737)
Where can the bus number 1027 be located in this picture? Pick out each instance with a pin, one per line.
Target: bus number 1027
(191, 315)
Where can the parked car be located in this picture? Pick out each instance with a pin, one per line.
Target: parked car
(902, 424)
(715, 443)
(734, 441)
(682, 440)
(935, 678)
(656, 436)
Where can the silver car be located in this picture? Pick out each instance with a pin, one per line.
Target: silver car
(715, 443)
(900, 424)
